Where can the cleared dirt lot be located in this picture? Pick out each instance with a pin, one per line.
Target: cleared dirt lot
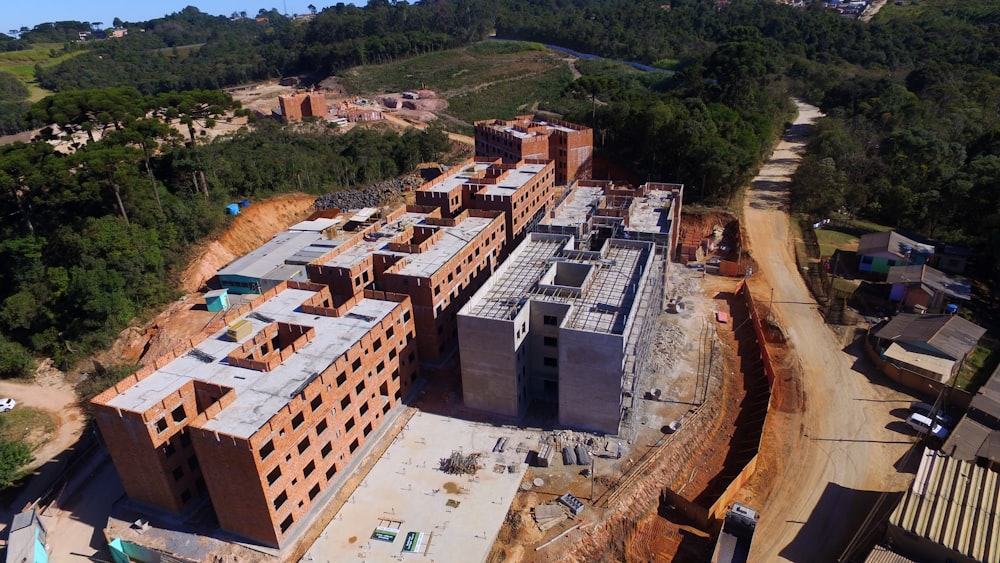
(821, 472)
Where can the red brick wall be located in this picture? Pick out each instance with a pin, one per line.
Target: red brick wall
(230, 469)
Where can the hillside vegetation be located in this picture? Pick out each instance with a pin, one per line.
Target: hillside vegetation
(93, 238)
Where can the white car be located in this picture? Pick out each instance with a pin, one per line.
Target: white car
(7, 404)
(924, 425)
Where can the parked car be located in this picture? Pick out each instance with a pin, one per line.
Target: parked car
(7, 404)
(924, 425)
(942, 418)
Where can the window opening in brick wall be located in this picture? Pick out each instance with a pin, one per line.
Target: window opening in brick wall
(267, 449)
(280, 500)
(304, 444)
(273, 475)
(178, 414)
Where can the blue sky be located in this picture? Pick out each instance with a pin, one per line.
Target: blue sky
(29, 13)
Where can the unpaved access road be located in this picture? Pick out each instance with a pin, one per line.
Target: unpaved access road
(60, 401)
(837, 453)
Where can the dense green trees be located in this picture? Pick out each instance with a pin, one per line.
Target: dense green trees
(13, 103)
(96, 235)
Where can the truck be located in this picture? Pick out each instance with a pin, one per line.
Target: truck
(733, 545)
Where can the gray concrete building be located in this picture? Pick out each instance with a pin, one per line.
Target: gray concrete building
(567, 318)
(561, 325)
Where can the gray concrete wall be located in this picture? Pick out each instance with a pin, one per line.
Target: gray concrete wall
(590, 380)
(489, 354)
(538, 371)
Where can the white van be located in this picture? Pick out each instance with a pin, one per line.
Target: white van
(924, 425)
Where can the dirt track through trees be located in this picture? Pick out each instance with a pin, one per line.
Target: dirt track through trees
(830, 459)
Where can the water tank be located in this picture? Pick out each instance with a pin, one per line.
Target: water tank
(951, 308)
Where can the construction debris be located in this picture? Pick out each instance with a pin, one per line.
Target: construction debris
(574, 504)
(459, 464)
(548, 516)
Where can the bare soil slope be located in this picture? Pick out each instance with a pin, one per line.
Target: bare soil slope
(254, 226)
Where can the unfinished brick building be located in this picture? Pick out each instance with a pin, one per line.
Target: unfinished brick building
(568, 145)
(303, 104)
(439, 262)
(264, 409)
(522, 190)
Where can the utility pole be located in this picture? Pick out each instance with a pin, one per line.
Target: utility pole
(591, 477)
(769, 304)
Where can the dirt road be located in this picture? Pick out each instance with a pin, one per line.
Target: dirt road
(833, 456)
(60, 400)
(464, 139)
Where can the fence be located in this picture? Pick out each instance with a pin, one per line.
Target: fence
(923, 385)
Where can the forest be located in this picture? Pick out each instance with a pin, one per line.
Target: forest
(92, 238)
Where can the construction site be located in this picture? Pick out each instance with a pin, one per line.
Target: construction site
(606, 390)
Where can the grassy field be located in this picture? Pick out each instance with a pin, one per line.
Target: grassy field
(978, 367)
(843, 233)
(831, 240)
(26, 424)
(22, 64)
(489, 79)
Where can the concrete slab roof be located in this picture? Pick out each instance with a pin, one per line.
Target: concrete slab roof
(259, 395)
(452, 242)
(647, 215)
(378, 242)
(604, 302)
(422, 264)
(517, 178)
(320, 224)
(258, 262)
(406, 493)
(577, 208)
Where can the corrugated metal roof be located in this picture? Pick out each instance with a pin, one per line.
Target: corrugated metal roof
(930, 279)
(885, 554)
(951, 335)
(890, 241)
(934, 364)
(978, 433)
(953, 503)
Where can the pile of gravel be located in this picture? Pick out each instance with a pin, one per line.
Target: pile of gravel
(372, 196)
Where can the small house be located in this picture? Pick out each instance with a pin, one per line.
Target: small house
(922, 288)
(934, 346)
(880, 251)
(976, 439)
